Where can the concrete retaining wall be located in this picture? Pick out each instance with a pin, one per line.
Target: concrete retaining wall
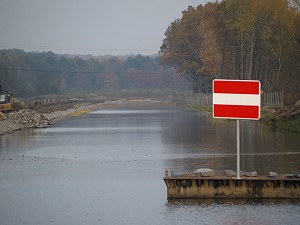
(228, 187)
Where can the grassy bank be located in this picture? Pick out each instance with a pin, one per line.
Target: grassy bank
(199, 108)
(273, 117)
(292, 125)
(281, 121)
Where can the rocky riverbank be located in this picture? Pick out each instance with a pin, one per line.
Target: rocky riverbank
(287, 119)
(40, 117)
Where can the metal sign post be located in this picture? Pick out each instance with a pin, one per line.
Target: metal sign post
(238, 149)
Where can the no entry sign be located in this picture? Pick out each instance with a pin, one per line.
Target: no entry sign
(236, 99)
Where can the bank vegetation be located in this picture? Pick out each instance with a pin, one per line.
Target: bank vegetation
(31, 74)
(238, 39)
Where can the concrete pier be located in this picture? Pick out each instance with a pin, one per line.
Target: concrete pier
(229, 187)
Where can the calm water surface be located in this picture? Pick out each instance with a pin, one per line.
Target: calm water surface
(106, 167)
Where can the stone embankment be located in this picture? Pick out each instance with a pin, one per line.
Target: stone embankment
(26, 118)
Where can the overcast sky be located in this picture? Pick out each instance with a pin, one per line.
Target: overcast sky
(94, 27)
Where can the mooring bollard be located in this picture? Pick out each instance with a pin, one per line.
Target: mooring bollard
(172, 173)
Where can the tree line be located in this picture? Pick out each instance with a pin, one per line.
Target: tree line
(237, 39)
(29, 74)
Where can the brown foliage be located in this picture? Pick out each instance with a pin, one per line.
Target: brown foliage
(239, 39)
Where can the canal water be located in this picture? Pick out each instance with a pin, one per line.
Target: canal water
(107, 167)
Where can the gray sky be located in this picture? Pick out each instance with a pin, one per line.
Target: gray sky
(94, 27)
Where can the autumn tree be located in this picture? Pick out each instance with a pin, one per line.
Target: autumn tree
(192, 46)
(182, 46)
(259, 40)
(211, 52)
(238, 39)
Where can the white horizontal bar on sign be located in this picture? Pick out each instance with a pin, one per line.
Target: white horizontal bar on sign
(236, 99)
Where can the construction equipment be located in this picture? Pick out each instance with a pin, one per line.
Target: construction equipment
(6, 100)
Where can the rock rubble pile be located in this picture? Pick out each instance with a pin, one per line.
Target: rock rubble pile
(2, 116)
(26, 118)
(231, 173)
(204, 172)
(29, 119)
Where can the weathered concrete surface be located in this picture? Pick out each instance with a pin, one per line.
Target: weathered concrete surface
(229, 187)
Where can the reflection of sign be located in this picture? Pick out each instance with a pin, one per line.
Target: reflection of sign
(236, 99)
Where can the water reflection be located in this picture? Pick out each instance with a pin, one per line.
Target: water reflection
(185, 139)
(107, 166)
(233, 211)
(263, 149)
(101, 129)
(16, 143)
(210, 202)
(113, 112)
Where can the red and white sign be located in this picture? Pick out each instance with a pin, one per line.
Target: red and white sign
(236, 99)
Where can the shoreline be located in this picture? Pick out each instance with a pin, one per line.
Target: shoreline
(46, 114)
(288, 120)
(12, 123)
(41, 116)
